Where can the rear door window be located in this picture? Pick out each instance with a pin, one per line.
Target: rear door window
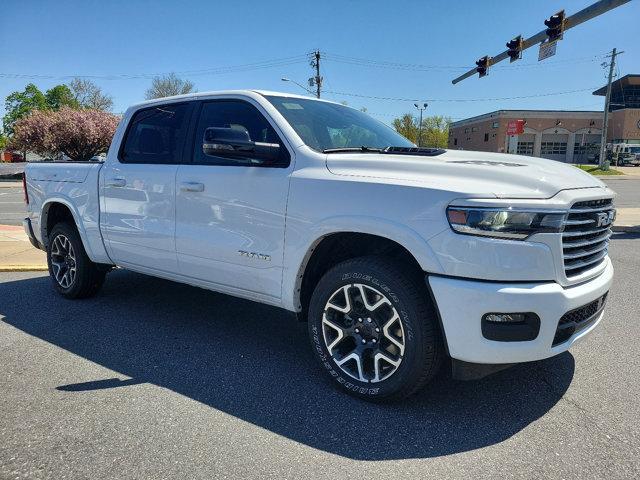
(157, 134)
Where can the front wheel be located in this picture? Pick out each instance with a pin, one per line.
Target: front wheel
(374, 330)
(73, 273)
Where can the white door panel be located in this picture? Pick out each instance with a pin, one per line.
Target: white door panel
(139, 217)
(240, 209)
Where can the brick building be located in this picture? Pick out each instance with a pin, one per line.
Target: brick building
(567, 136)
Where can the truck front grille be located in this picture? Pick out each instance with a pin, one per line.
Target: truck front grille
(585, 238)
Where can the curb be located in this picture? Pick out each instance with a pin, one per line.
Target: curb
(624, 176)
(23, 268)
(626, 228)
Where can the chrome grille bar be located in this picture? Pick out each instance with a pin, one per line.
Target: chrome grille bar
(586, 226)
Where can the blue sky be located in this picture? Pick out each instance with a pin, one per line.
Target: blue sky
(129, 39)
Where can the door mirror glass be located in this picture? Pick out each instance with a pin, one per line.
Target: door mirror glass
(235, 143)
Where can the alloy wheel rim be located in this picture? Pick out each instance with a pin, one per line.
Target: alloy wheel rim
(63, 261)
(363, 333)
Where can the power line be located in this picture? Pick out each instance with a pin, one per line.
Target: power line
(422, 67)
(399, 99)
(278, 62)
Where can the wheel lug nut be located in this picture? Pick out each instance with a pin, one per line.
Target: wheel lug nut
(369, 320)
(377, 329)
(373, 341)
(357, 330)
(364, 341)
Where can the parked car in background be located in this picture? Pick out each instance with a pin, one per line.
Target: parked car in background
(397, 257)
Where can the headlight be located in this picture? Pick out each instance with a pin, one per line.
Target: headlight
(504, 223)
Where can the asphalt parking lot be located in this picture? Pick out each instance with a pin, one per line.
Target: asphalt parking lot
(153, 379)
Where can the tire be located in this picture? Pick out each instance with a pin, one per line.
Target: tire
(73, 274)
(396, 357)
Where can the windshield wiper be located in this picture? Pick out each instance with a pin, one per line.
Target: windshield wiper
(362, 149)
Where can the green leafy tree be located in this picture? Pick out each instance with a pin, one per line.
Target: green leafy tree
(19, 104)
(435, 129)
(3, 142)
(167, 86)
(60, 96)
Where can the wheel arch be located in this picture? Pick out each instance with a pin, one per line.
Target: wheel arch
(337, 245)
(55, 210)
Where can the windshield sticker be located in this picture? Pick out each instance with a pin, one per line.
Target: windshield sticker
(292, 106)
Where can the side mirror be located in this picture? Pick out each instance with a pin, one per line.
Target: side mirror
(236, 144)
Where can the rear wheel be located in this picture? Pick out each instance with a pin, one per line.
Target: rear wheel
(374, 330)
(73, 274)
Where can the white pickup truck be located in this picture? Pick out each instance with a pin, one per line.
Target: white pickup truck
(398, 257)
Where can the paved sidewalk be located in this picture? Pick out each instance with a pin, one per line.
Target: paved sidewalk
(16, 252)
(627, 220)
(11, 184)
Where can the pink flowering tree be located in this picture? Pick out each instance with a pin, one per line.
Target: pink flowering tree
(78, 134)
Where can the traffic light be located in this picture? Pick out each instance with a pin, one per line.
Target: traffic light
(483, 66)
(515, 48)
(555, 26)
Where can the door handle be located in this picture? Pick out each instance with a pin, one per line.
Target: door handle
(116, 182)
(191, 187)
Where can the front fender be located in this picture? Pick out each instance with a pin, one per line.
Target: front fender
(302, 241)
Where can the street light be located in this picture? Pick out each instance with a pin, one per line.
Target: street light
(285, 79)
(422, 109)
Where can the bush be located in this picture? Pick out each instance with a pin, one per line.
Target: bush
(78, 134)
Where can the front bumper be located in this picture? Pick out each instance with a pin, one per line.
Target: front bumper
(462, 303)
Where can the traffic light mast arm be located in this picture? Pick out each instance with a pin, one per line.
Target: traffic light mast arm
(574, 20)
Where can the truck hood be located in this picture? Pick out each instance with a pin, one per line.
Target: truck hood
(474, 174)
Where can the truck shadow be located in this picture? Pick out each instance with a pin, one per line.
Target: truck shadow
(254, 362)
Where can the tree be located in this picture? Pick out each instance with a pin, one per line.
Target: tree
(79, 134)
(60, 96)
(19, 104)
(88, 95)
(167, 86)
(435, 129)
(407, 126)
(3, 142)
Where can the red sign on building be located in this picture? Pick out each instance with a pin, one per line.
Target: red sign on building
(515, 127)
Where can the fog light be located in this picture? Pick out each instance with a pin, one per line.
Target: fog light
(505, 317)
(510, 327)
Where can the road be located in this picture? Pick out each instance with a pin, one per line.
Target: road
(628, 191)
(12, 206)
(152, 379)
(11, 168)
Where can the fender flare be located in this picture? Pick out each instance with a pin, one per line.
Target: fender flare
(76, 219)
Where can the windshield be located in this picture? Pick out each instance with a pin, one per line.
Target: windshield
(634, 149)
(323, 125)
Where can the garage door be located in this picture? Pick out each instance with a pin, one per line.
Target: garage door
(525, 144)
(554, 146)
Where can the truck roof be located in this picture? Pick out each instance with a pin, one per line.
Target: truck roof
(246, 92)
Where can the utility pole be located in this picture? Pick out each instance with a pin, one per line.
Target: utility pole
(422, 109)
(607, 101)
(317, 80)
